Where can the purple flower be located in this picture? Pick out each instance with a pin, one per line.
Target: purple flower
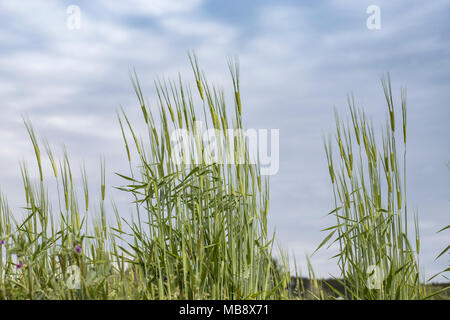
(165, 278)
(2, 242)
(18, 266)
(78, 249)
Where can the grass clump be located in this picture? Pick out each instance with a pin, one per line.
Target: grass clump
(199, 228)
(204, 223)
(378, 256)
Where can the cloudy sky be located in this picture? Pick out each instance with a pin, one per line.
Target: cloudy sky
(298, 59)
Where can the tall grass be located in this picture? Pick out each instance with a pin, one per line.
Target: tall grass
(199, 230)
(199, 227)
(204, 224)
(378, 255)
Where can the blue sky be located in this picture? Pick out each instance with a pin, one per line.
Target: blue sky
(298, 61)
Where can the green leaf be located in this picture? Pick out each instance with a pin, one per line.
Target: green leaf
(327, 238)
